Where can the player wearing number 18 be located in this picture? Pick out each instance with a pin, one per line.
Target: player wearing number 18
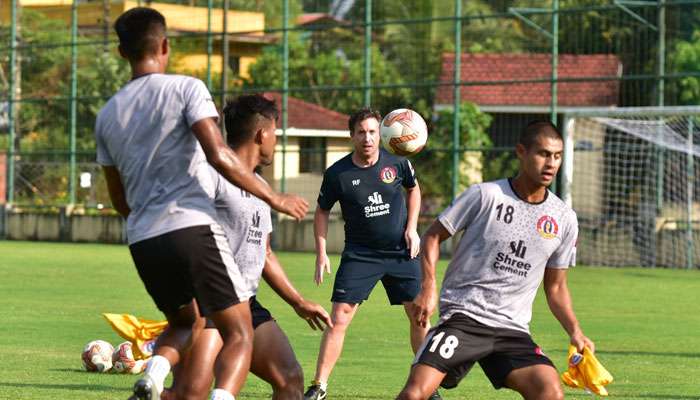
(517, 234)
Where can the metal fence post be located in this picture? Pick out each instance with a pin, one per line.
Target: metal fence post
(457, 101)
(285, 91)
(10, 196)
(73, 101)
(555, 73)
(555, 60)
(368, 53)
(567, 166)
(210, 42)
(660, 71)
(224, 62)
(690, 168)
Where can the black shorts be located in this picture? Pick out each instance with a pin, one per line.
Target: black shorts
(194, 262)
(456, 344)
(259, 313)
(361, 269)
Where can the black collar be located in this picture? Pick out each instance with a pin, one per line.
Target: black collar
(546, 194)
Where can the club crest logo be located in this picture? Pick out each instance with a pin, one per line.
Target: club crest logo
(388, 174)
(547, 227)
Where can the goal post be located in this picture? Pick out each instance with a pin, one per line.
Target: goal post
(632, 176)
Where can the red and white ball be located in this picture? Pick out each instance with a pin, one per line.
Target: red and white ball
(403, 132)
(123, 361)
(97, 356)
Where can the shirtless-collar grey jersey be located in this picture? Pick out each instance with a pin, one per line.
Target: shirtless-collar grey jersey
(247, 222)
(500, 260)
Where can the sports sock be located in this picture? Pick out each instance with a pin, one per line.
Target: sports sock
(323, 385)
(221, 394)
(158, 369)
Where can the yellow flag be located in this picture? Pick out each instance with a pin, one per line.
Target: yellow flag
(142, 333)
(586, 372)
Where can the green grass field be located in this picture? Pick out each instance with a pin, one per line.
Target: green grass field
(646, 324)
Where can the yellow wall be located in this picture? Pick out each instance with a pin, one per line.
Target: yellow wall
(198, 63)
(337, 148)
(178, 17)
(291, 159)
(43, 2)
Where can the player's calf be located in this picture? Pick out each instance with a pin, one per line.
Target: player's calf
(290, 386)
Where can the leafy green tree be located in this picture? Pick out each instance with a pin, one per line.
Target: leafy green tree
(312, 69)
(685, 57)
(45, 70)
(435, 161)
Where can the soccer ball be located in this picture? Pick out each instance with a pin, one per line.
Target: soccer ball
(403, 132)
(123, 360)
(97, 356)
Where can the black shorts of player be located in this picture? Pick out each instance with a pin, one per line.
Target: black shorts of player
(187, 263)
(259, 313)
(455, 345)
(361, 268)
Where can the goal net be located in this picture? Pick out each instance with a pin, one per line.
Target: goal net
(633, 177)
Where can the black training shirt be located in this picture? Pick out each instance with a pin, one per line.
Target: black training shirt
(371, 199)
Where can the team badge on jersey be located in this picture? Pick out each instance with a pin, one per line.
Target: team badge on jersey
(547, 227)
(388, 174)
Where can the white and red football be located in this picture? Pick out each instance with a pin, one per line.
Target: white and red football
(123, 360)
(403, 132)
(97, 356)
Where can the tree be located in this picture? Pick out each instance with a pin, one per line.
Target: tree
(327, 67)
(685, 57)
(44, 121)
(436, 170)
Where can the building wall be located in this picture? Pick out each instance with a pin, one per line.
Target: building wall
(291, 159)
(197, 62)
(178, 17)
(337, 148)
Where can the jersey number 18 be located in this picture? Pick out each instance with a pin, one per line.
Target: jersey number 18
(508, 217)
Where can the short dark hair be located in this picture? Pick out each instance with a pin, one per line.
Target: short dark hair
(361, 115)
(242, 116)
(140, 30)
(536, 128)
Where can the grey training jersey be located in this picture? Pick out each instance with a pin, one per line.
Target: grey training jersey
(500, 260)
(144, 131)
(247, 222)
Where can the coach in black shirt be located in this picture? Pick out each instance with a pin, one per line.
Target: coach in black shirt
(381, 242)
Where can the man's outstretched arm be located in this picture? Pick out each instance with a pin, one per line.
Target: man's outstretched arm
(424, 303)
(559, 300)
(274, 275)
(413, 199)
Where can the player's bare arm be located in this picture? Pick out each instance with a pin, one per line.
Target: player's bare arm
(323, 264)
(424, 303)
(559, 301)
(413, 199)
(116, 190)
(273, 273)
(229, 165)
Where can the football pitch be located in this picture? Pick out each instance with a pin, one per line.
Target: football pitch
(645, 322)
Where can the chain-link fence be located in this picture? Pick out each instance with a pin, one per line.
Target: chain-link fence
(476, 70)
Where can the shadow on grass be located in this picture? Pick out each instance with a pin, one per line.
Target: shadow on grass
(664, 396)
(77, 370)
(647, 353)
(62, 386)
